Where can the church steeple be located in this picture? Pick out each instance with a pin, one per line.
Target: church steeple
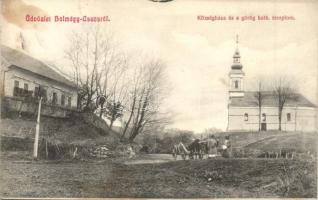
(237, 57)
(236, 74)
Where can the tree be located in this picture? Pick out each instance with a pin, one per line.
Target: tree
(114, 110)
(131, 105)
(210, 131)
(283, 92)
(146, 96)
(132, 94)
(164, 141)
(96, 63)
(259, 96)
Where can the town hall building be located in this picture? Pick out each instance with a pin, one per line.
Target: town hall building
(24, 78)
(298, 114)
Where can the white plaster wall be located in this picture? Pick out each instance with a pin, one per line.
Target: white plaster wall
(34, 80)
(302, 119)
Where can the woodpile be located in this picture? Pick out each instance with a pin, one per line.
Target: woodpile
(100, 152)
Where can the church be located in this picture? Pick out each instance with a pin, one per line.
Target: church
(244, 114)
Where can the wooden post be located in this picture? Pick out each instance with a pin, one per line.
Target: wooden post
(296, 118)
(30, 131)
(46, 150)
(74, 154)
(37, 132)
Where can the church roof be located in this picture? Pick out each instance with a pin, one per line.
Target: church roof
(22, 60)
(236, 54)
(249, 100)
(236, 71)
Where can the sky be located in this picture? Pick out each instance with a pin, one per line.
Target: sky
(198, 53)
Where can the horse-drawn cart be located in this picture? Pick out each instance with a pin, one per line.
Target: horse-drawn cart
(201, 149)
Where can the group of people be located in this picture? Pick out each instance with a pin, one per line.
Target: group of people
(211, 147)
(223, 149)
(199, 148)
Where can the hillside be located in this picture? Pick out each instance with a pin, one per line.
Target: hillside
(71, 131)
(299, 142)
(270, 139)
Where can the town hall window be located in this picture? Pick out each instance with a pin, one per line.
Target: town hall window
(16, 83)
(288, 117)
(63, 100)
(69, 101)
(40, 92)
(264, 117)
(16, 88)
(54, 100)
(245, 117)
(44, 94)
(36, 91)
(26, 87)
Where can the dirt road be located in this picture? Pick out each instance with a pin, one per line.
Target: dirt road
(151, 159)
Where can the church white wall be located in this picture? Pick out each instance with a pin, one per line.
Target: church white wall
(306, 119)
(301, 119)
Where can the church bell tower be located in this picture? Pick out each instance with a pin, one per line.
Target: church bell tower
(236, 75)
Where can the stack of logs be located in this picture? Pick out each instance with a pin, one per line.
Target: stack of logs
(100, 152)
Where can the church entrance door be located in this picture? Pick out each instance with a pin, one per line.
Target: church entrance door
(263, 127)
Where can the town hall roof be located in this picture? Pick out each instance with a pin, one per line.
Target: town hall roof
(22, 60)
(249, 100)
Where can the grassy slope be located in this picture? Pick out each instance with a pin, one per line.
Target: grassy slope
(69, 131)
(301, 142)
(241, 139)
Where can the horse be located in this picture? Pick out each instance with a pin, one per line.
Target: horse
(194, 149)
(197, 149)
(180, 149)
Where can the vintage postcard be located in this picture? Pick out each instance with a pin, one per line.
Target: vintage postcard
(158, 99)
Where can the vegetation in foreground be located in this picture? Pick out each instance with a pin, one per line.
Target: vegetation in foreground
(221, 178)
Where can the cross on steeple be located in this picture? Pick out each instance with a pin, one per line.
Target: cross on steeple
(236, 57)
(237, 41)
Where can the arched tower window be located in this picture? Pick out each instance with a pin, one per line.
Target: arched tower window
(245, 117)
(288, 117)
(263, 117)
(236, 84)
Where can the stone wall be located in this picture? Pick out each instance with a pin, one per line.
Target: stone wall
(21, 105)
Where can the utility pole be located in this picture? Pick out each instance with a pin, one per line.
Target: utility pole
(37, 132)
(296, 118)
